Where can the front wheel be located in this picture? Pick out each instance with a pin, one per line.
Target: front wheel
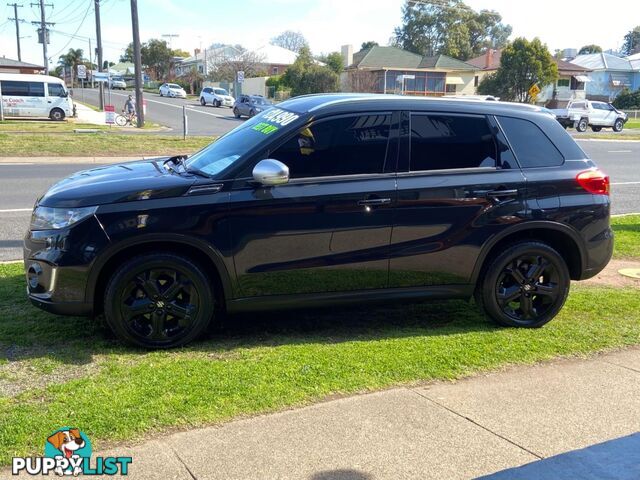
(618, 125)
(56, 115)
(159, 300)
(524, 286)
(582, 125)
(121, 120)
(216, 103)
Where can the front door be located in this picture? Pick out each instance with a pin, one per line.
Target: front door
(455, 190)
(329, 228)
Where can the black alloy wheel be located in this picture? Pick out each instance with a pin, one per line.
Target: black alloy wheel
(159, 300)
(525, 286)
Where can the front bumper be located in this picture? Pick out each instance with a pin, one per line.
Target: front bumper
(57, 264)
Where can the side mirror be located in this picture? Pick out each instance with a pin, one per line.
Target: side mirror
(271, 172)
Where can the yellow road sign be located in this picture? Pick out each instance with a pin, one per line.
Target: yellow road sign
(534, 90)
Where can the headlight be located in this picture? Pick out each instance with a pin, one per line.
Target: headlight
(47, 218)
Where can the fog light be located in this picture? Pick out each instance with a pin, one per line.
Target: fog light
(33, 275)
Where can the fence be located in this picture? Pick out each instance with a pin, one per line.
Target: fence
(635, 114)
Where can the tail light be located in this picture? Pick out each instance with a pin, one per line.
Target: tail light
(594, 181)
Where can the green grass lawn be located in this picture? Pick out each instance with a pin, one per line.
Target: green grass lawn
(633, 123)
(96, 144)
(627, 236)
(57, 371)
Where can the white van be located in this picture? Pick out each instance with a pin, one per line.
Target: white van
(34, 96)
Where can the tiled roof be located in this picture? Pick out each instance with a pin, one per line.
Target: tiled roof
(9, 62)
(481, 61)
(391, 57)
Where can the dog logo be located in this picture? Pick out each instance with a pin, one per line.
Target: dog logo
(71, 444)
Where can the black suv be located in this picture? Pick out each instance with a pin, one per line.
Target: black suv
(328, 199)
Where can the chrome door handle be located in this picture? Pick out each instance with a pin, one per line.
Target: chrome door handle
(502, 193)
(374, 201)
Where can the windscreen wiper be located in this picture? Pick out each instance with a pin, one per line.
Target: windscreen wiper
(180, 160)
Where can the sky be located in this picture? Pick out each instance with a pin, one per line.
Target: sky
(327, 24)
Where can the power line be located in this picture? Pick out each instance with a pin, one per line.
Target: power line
(74, 33)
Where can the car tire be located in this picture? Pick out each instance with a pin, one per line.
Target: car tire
(56, 115)
(252, 113)
(582, 125)
(524, 286)
(236, 112)
(202, 101)
(160, 92)
(618, 125)
(596, 129)
(216, 103)
(159, 300)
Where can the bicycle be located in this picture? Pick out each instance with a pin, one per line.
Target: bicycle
(125, 118)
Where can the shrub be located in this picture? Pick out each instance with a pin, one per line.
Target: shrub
(628, 100)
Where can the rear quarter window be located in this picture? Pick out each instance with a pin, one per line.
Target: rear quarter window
(529, 143)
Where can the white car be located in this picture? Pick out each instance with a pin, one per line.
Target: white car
(117, 83)
(597, 115)
(172, 90)
(218, 97)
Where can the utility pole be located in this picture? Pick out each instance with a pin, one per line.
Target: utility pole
(137, 60)
(99, 50)
(43, 32)
(17, 20)
(91, 61)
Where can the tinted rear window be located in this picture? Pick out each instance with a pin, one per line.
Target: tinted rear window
(440, 142)
(531, 146)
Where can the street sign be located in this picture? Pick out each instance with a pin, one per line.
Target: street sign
(101, 76)
(82, 72)
(109, 114)
(534, 90)
(240, 76)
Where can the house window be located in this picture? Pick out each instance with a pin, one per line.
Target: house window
(200, 68)
(274, 71)
(576, 85)
(563, 82)
(450, 88)
(476, 81)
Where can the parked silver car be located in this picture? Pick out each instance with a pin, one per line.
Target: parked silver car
(250, 105)
(218, 97)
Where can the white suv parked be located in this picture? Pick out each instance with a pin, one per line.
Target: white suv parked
(599, 115)
(218, 97)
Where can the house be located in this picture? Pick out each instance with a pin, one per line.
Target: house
(203, 61)
(609, 75)
(570, 84)
(123, 68)
(393, 70)
(8, 65)
(274, 59)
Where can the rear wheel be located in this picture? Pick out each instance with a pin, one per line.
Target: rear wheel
(236, 112)
(525, 286)
(582, 125)
(159, 300)
(56, 114)
(202, 101)
(160, 93)
(596, 129)
(618, 125)
(252, 113)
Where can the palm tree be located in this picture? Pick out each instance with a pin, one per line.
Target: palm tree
(71, 60)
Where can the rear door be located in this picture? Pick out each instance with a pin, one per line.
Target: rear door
(457, 186)
(329, 228)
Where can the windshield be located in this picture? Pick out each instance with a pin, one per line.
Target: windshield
(220, 91)
(174, 86)
(259, 101)
(229, 148)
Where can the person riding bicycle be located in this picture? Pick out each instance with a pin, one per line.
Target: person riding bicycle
(130, 107)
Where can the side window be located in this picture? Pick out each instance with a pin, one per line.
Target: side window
(55, 89)
(340, 146)
(36, 89)
(440, 142)
(531, 146)
(579, 105)
(15, 89)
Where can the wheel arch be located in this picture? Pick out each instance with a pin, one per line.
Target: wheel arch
(198, 251)
(565, 240)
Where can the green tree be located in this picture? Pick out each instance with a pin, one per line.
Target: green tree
(71, 60)
(334, 61)
(368, 45)
(155, 56)
(631, 43)
(449, 27)
(627, 100)
(523, 63)
(305, 76)
(592, 48)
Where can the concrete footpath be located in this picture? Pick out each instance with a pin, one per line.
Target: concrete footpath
(562, 420)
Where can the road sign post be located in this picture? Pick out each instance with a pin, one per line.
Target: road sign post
(82, 75)
(534, 91)
(109, 114)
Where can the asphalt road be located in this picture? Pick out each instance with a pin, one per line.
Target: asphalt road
(21, 184)
(209, 121)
